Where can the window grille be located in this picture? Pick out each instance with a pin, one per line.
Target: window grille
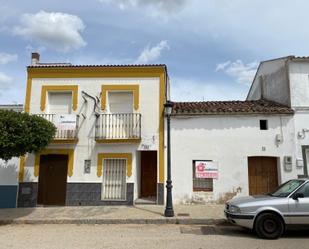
(201, 184)
(114, 179)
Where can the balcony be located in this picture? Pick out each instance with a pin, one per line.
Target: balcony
(66, 124)
(118, 127)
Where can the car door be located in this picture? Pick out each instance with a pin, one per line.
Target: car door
(299, 209)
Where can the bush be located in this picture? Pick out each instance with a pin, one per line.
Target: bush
(21, 133)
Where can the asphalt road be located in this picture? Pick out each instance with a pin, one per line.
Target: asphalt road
(142, 236)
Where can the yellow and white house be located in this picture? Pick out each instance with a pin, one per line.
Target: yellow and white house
(109, 145)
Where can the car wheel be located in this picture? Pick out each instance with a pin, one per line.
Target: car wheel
(269, 226)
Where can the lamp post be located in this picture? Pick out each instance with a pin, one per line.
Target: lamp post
(169, 211)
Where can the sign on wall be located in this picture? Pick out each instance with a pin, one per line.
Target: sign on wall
(206, 169)
(65, 121)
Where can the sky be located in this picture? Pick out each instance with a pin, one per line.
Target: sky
(212, 48)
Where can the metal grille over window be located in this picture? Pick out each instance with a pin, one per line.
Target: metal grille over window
(114, 179)
(201, 184)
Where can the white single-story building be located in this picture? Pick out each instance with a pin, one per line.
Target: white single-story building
(251, 145)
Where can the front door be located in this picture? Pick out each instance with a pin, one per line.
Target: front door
(148, 174)
(52, 179)
(263, 175)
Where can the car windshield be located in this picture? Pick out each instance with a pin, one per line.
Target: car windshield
(286, 188)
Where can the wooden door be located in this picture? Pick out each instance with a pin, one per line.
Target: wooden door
(263, 175)
(52, 179)
(148, 174)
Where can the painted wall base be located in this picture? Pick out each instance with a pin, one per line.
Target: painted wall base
(27, 194)
(78, 194)
(89, 194)
(160, 187)
(8, 195)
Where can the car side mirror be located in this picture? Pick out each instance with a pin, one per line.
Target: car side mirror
(297, 196)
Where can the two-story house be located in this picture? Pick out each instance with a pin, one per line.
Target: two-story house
(286, 81)
(109, 145)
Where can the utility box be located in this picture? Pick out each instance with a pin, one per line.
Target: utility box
(288, 163)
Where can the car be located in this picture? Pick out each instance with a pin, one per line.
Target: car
(269, 215)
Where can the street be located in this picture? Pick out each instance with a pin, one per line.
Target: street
(142, 236)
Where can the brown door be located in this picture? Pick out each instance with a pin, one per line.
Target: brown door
(148, 173)
(263, 175)
(52, 179)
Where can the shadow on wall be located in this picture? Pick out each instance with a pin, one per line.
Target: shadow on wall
(8, 183)
(8, 191)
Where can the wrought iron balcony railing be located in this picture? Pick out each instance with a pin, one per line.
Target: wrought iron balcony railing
(120, 126)
(66, 124)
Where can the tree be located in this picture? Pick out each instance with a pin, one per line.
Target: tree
(21, 133)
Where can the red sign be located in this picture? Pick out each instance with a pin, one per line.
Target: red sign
(206, 169)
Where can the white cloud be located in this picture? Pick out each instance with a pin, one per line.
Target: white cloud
(161, 5)
(186, 89)
(6, 58)
(5, 81)
(56, 30)
(150, 54)
(222, 66)
(241, 72)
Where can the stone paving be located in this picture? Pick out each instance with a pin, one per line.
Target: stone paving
(140, 214)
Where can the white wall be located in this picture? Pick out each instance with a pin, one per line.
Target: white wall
(229, 140)
(301, 120)
(87, 148)
(9, 171)
(299, 81)
(271, 82)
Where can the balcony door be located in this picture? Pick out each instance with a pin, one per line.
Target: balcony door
(120, 102)
(60, 102)
(120, 106)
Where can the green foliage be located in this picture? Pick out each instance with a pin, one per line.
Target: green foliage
(21, 133)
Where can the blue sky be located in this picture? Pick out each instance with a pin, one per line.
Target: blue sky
(211, 47)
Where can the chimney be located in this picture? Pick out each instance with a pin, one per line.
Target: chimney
(35, 58)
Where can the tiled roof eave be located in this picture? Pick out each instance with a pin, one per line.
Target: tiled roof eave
(92, 66)
(230, 113)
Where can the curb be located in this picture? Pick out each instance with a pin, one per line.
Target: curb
(175, 221)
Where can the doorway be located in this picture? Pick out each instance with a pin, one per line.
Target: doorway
(148, 174)
(263, 175)
(52, 179)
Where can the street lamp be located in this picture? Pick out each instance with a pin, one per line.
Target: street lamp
(169, 211)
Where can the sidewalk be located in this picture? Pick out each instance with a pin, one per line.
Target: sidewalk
(142, 214)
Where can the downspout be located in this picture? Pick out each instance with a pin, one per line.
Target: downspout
(94, 100)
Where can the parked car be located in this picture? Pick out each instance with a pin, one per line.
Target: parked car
(269, 215)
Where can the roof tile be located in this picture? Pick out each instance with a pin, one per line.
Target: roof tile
(230, 107)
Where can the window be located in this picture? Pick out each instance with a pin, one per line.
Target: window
(304, 190)
(120, 102)
(263, 124)
(201, 184)
(114, 179)
(59, 102)
(287, 188)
